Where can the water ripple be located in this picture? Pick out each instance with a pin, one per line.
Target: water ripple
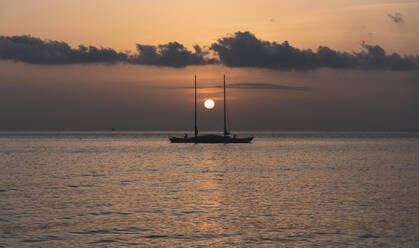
(285, 189)
(128, 230)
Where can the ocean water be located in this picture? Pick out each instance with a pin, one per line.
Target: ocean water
(309, 189)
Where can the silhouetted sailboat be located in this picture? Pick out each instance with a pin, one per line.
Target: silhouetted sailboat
(211, 138)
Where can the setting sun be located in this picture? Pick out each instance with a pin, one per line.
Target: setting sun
(209, 104)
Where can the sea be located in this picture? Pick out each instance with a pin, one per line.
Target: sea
(135, 189)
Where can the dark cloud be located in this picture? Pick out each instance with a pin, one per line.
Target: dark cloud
(396, 18)
(374, 57)
(172, 54)
(243, 49)
(36, 51)
(263, 86)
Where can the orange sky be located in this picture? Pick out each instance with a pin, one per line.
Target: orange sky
(305, 23)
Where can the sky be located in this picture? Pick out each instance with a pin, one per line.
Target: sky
(129, 64)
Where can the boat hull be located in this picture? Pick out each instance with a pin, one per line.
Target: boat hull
(211, 139)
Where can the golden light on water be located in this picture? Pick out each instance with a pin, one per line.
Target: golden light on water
(209, 104)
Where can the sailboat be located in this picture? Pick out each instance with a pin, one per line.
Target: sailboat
(211, 138)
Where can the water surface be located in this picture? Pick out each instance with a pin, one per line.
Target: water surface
(136, 189)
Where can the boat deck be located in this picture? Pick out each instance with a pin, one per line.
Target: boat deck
(211, 138)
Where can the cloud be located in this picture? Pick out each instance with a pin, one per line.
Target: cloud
(172, 54)
(396, 18)
(267, 86)
(263, 86)
(243, 49)
(36, 51)
(374, 57)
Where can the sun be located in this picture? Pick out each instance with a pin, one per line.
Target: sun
(209, 104)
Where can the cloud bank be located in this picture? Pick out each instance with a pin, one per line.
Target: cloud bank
(172, 54)
(33, 50)
(251, 86)
(243, 49)
(265, 86)
(36, 51)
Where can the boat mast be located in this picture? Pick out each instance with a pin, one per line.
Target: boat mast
(225, 115)
(196, 128)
